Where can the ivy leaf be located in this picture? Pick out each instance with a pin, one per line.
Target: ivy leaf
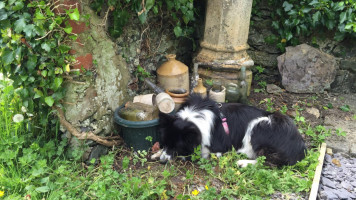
(306, 10)
(46, 47)
(18, 54)
(67, 68)
(29, 30)
(178, 31)
(20, 25)
(38, 94)
(49, 101)
(74, 14)
(57, 82)
(31, 63)
(68, 29)
(316, 17)
(143, 17)
(18, 6)
(287, 6)
(342, 17)
(149, 4)
(42, 189)
(3, 14)
(44, 73)
(289, 35)
(339, 6)
(7, 56)
(39, 15)
(330, 24)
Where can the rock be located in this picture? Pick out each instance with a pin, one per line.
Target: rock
(305, 69)
(346, 185)
(273, 89)
(348, 65)
(96, 152)
(313, 111)
(328, 158)
(291, 113)
(328, 193)
(263, 58)
(329, 151)
(327, 182)
(344, 82)
(344, 194)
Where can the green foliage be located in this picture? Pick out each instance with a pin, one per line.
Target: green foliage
(294, 18)
(258, 181)
(141, 73)
(269, 103)
(180, 13)
(34, 52)
(345, 108)
(209, 82)
(284, 109)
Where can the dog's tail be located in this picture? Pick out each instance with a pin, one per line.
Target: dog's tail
(279, 140)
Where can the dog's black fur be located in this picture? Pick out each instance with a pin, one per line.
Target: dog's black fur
(280, 138)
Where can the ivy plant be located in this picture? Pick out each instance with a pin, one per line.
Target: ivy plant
(181, 13)
(34, 47)
(294, 18)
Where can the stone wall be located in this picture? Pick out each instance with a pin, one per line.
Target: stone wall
(266, 54)
(91, 100)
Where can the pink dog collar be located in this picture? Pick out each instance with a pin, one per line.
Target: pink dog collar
(223, 119)
(226, 127)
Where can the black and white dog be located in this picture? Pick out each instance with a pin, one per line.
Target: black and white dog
(249, 130)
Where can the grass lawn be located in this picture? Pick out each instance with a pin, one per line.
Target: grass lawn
(36, 165)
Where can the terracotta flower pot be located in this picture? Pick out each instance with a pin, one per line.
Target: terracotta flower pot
(178, 95)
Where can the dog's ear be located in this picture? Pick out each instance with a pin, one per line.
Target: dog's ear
(165, 119)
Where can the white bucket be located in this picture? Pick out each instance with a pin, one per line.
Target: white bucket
(218, 96)
(149, 99)
(165, 102)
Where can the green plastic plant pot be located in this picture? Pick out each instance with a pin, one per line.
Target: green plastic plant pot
(134, 133)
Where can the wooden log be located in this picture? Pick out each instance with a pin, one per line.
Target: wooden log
(316, 180)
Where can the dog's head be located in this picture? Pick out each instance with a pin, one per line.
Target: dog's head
(178, 137)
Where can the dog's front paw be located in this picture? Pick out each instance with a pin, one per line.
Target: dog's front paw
(164, 157)
(244, 163)
(157, 155)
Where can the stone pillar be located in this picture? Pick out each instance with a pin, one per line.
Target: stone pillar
(223, 49)
(226, 31)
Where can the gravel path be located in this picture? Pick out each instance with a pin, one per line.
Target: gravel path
(338, 178)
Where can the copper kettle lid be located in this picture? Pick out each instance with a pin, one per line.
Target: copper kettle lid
(172, 67)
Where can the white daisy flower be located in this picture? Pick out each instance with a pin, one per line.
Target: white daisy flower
(18, 118)
(23, 109)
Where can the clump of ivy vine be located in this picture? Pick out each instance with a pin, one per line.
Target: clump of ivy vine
(295, 18)
(34, 47)
(181, 13)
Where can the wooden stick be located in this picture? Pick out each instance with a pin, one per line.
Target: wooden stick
(316, 180)
(106, 141)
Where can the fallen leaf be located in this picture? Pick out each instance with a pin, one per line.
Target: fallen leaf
(336, 162)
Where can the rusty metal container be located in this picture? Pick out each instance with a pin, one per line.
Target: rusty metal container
(173, 74)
